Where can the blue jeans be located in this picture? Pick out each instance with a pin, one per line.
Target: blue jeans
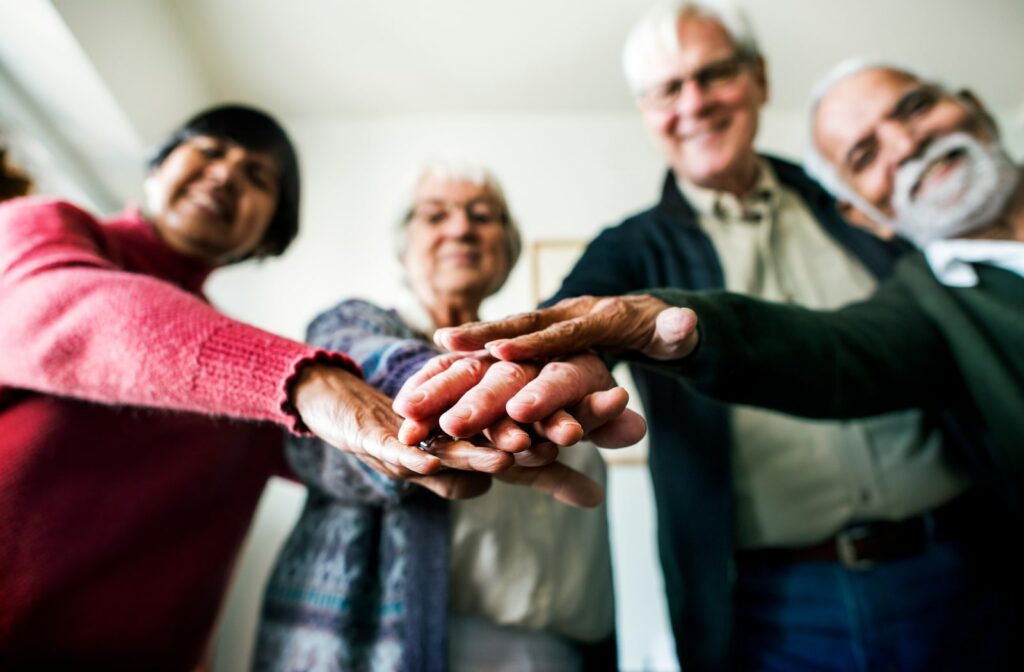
(949, 608)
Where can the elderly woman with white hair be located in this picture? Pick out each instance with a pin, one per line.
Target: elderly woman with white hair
(379, 574)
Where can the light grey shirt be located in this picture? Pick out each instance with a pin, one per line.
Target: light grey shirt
(520, 559)
(798, 481)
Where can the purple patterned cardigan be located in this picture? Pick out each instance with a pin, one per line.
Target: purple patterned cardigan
(362, 582)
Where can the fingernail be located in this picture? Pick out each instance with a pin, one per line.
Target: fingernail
(494, 344)
(458, 414)
(527, 399)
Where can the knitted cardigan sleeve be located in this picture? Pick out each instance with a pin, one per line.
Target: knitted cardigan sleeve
(388, 352)
(74, 324)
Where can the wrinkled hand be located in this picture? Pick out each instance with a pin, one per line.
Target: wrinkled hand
(350, 415)
(561, 401)
(638, 323)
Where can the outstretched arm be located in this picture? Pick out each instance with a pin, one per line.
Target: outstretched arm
(868, 358)
(75, 323)
(879, 355)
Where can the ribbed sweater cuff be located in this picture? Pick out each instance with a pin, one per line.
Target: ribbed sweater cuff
(252, 372)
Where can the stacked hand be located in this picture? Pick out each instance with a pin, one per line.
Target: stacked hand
(347, 413)
(636, 323)
(524, 404)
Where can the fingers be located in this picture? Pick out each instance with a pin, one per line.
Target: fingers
(468, 457)
(560, 428)
(561, 338)
(411, 432)
(559, 481)
(484, 404)
(434, 366)
(507, 435)
(387, 448)
(625, 430)
(439, 384)
(559, 385)
(455, 484)
(348, 414)
(606, 420)
(600, 407)
(449, 484)
(388, 469)
(475, 335)
(675, 334)
(537, 455)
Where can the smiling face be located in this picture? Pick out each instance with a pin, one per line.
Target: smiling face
(455, 252)
(925, 161)
(212, 199)
(707, 132)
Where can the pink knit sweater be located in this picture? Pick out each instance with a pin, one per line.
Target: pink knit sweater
(130, 464)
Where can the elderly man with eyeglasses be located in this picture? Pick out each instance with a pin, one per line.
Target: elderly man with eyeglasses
(746, 496)
(757, 510)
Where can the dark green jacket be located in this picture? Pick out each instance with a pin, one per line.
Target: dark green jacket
(915, 343)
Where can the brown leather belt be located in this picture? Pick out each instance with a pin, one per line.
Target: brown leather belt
(862, 545)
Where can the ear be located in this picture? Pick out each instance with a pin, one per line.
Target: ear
(971, 101)
(857, 217)
(760, 74)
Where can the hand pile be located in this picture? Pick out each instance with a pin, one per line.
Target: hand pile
(509, 396)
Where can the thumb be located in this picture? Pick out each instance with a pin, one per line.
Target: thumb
(675, 334)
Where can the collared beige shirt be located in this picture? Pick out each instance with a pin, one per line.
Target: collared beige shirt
(800, 481)
(521, 559)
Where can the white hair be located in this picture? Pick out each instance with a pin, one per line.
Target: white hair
(453, 168)
(655, 35)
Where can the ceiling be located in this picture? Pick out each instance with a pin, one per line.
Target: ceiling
(121, 72)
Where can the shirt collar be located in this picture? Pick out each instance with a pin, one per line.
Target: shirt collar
(951, 260)
(755, 206)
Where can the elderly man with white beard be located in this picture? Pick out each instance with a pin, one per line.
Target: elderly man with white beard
(945, 332)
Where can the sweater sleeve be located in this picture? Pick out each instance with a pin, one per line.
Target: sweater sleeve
(74, 324)
(867, 358)
(388, 352)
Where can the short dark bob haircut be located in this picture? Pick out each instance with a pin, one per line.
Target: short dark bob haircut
(259, 132)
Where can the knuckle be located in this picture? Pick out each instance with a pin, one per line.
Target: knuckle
(470, 367)
(565, 373)
(510, 371)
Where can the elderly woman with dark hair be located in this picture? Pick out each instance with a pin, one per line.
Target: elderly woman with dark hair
(139, 425)
(379, 575)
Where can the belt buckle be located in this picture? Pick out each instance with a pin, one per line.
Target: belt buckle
(847, 550)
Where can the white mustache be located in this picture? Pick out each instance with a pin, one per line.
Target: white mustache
(911, 174)
(972, 195)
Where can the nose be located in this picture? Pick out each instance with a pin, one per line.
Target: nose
(226, 169)
(899, 141)
(458, 224)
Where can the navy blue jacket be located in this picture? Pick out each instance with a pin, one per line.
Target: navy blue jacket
(690, 442)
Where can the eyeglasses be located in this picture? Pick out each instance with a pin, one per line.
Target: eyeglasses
(478, 211)
(711, 77)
